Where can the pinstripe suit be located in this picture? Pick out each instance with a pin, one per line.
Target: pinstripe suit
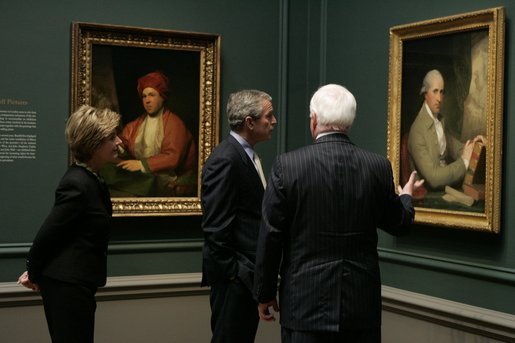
(321, 209)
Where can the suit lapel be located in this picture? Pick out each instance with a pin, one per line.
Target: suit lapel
(246, 161)
(244, 157)
(426, 118)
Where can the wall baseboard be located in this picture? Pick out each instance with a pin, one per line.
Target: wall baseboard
(462, 317)
(470, 319)
(117, 288)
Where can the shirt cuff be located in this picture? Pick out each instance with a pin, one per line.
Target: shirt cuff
(466, 162)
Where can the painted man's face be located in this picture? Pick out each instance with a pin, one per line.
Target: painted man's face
(435, 94)
(152, 100)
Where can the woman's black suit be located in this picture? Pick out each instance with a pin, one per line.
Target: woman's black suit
(68, 258)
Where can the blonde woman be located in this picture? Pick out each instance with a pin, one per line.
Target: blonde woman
(67, 260)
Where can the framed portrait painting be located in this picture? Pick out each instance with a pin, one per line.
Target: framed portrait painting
(445, 116)
(165, 85)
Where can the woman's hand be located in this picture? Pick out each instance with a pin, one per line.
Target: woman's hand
(24, 281)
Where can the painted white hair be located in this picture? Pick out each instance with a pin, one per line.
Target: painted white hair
(429, 79)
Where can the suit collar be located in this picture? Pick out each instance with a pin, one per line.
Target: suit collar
(246, 160)
(104, 190)
(85, 166)
(334, 137)
(234, 142)
(244, 144)
(425, 117)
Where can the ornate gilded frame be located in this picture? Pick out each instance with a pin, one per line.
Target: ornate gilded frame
(86, 36)
(407, 44)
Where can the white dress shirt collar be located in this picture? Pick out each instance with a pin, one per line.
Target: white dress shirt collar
(442, 143)
(245, 145)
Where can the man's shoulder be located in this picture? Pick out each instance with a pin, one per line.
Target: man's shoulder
(422, 120)
(314, 150)
(370, 155)
(227, 146)
(228, 149)
(294, 154)
(312, 155)
(171, 117)
(134, 123)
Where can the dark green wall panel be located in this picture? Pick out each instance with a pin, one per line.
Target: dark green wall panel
(465, 266)
(287, 48)
(35, 58)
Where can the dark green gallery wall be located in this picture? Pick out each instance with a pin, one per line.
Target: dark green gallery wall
(35, 60)
(464, 266)
(287, 48)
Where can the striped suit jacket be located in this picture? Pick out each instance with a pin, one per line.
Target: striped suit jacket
(321, 211)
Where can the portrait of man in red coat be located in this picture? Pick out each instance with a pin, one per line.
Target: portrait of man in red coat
(158, 156)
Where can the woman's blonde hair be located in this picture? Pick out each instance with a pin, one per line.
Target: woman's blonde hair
(87, 128)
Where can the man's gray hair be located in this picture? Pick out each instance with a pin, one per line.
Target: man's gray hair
(334, 106)
(87, 128)
(428, 80)
(247, 102)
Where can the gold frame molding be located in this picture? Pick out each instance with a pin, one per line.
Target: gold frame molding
(86, 35)
(490, 20)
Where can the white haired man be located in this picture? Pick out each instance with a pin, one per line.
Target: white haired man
(321, 210)
(439, 158)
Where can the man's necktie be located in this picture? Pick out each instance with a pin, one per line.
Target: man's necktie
(259, 168)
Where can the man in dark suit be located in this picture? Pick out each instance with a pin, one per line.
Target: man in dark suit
(321, 209)
(232, 190)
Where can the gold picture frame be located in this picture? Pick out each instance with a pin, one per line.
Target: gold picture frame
(468, 50)
(108, 60)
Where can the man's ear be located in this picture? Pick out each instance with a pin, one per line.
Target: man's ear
(313, 123)
(249, 122)
(314, 120)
